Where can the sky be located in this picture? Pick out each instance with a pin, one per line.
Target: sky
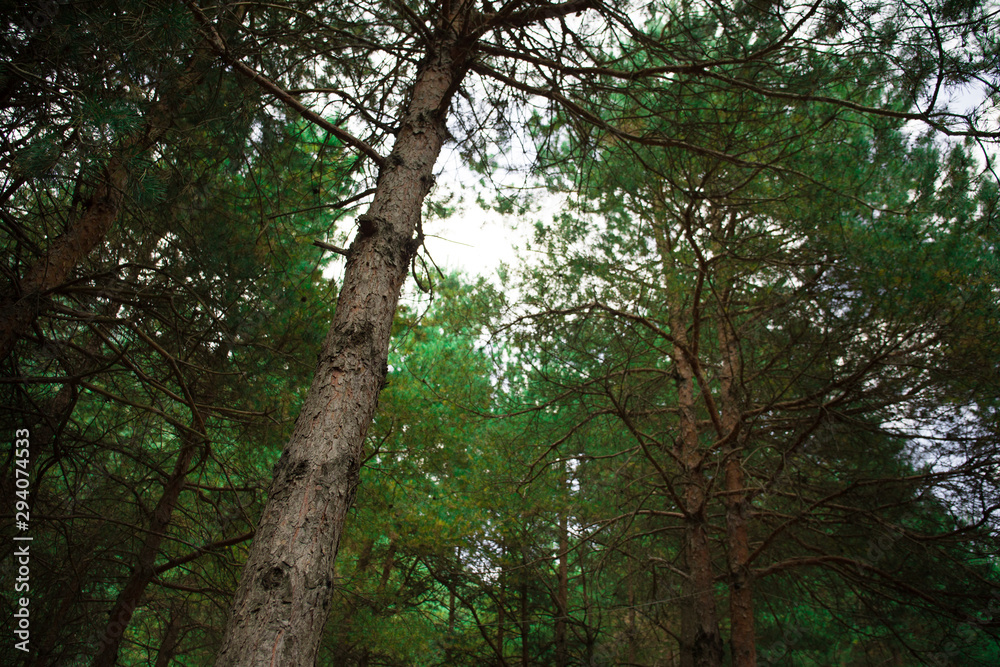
(476, 241)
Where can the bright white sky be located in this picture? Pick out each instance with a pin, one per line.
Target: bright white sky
(476, 241)
(473, 240)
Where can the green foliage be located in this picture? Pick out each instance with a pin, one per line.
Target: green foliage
(523, 497)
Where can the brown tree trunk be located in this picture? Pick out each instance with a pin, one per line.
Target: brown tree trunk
(286, 588)
(449, 651)
(168, 645)
(390, 563)
(144, 571)
(701, 641)
(502, 603)
(51, 270)
(742, 632)
(630, 622)
(20, 308)
(525, 626)
(562, 592)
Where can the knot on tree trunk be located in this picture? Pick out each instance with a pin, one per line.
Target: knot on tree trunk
(368, 224)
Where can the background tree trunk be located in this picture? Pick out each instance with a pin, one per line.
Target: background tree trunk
(562, 593)
(742, 630)
(525, 621)
(701, 641)
(20, 308)
(168, 645)
(144, 569)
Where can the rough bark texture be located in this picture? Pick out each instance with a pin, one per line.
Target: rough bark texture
(701, 642)
(286, 588)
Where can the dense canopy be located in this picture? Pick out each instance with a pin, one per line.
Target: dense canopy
(737, 402)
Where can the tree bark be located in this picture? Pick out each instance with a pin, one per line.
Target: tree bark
(701, 641)
(144, 570)
(171, 636)
(286, 588)
(742, 632)
(20, 308)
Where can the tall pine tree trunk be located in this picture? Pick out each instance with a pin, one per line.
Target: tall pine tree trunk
(742, 632)
(286, 588)
(701, 641)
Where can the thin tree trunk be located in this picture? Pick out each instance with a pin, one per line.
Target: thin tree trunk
(390, 563)
(449, 651)
(145, 570)
(701, 641)
(591, 632)
(562, 592)
(286, 588)
(168, 645)
(501, 602)
(742, 633)
(525, 626)
(633, 631)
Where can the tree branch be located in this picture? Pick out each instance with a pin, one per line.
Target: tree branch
(220, 47)
(170, 564)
